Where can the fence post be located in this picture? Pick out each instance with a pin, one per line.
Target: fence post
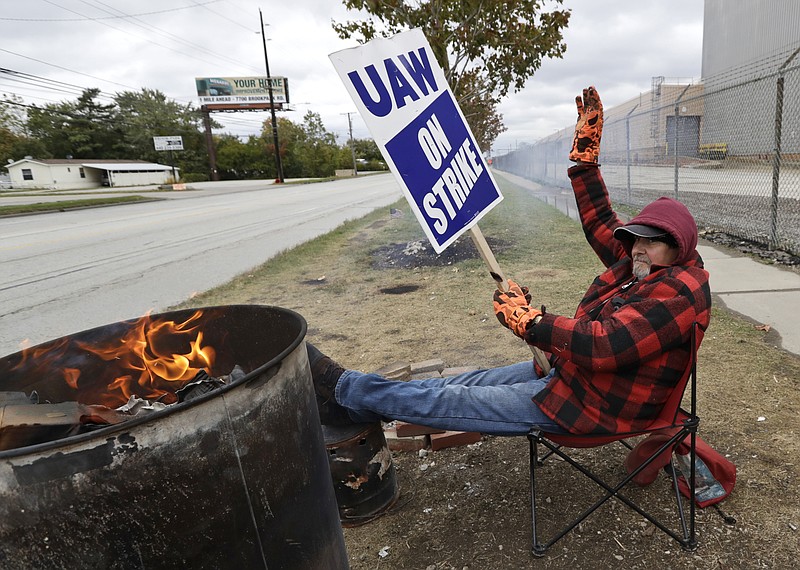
(546, 160)
(628, 147)
(776, 157)
(675, 128)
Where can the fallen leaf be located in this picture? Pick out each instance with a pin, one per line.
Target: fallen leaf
(765, 328)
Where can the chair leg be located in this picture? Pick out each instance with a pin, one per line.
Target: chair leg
(688, 542)
(536, 548)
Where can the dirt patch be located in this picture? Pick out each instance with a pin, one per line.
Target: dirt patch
(399, 289)
(419, 253)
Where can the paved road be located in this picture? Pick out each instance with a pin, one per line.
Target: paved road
(69, 271)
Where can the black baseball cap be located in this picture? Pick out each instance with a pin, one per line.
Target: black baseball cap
(632, 231)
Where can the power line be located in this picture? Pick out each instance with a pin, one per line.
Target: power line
(164, 33)
(67, 69)
(125, 16)
(106, 17)
(127, 32)
(45, 83)
(224, 17)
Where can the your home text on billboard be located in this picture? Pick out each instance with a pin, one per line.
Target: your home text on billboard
(402, 94)
(242, 90)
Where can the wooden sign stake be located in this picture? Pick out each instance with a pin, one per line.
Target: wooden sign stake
(502, 284)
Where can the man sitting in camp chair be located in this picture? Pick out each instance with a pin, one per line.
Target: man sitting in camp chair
(614, 364)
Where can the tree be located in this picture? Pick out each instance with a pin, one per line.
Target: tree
(49, 125)
(81, 129)
(367, 154)
(14, 140)
(291, 136)
(148, 113)
(237, 160)
(319, 151)
(307, 150)
(485, 47)
(12, 114)
(367, 149)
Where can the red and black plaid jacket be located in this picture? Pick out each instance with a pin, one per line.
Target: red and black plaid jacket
(618, 359)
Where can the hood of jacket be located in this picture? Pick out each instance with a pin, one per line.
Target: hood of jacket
(674, 218)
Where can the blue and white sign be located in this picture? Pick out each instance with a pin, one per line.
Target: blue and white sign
(400, 91)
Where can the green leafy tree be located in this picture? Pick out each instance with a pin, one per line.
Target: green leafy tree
(367, 149)
(94, 131)
(485, 47)
(48, 125)
(319, 150)
(12, 114)
(82, 129)
(14, 140)
(290, 138)
(344, 157)
(307, 150)
(368, 155)
(149, 113)
(248, 160)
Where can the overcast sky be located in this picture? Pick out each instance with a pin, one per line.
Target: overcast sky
(617, 45)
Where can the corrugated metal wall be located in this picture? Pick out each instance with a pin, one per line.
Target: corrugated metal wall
(738, 34)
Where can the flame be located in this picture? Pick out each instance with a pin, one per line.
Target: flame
(145, 356)
(71, 376)
(151, 359)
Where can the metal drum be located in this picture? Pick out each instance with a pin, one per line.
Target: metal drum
(236, 478)
(364, 476)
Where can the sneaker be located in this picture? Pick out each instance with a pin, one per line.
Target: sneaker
(325, 373)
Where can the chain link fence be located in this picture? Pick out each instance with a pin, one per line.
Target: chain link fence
(728, 148)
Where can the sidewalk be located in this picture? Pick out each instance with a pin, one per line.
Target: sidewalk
(764, 294)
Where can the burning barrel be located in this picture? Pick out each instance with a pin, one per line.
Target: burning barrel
(232, 477)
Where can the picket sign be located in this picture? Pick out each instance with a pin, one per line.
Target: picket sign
(401, 92)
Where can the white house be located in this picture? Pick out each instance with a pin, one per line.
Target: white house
(74, 174)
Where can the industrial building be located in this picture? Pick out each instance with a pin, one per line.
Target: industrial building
(751, 55)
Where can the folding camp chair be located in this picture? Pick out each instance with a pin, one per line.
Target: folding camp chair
(678, 422)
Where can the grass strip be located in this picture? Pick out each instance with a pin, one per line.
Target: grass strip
(64, 205)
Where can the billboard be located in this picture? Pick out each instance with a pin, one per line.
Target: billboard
(241, 90)
(401, 92)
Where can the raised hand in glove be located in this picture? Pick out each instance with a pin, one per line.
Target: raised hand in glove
(589, 129)
(512, 308)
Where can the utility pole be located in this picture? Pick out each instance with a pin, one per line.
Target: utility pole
(212, 152)
(352, 145)
(278, 165)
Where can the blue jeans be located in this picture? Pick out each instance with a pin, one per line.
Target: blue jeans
(496, 401)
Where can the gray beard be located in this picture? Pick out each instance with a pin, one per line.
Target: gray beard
(641, 269)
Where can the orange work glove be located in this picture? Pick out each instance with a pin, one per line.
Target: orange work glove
(512, 308)
(589, 129)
